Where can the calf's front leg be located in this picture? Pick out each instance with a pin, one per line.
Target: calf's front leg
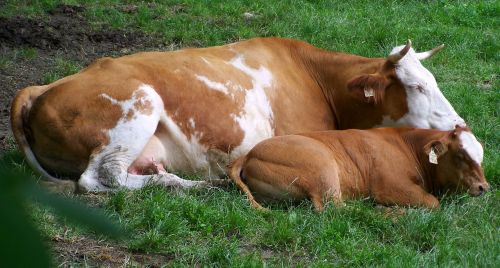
(406, 195)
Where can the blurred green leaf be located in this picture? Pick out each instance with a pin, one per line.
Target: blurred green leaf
(20, 241)
(19, 238)
(75, 212)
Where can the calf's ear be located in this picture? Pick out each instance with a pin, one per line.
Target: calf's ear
(438, 147)
(369, 88)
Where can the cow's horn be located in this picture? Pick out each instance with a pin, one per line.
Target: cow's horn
(430, 53)
(394, 58)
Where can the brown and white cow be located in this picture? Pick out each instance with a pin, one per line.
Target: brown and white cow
(394, 166)
(193, 110)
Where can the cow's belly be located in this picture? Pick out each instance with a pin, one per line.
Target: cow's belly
(170, 149)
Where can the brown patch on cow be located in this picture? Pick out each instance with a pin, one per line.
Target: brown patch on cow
(144, 106)
(63, 142)
(333, 72)
(130, 115)
(215, 131)
(396, 98)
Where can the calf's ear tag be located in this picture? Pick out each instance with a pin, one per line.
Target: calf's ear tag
(433, 157)
(369, 92)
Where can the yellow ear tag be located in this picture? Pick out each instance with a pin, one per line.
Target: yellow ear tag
(433, 157)
(369, 92)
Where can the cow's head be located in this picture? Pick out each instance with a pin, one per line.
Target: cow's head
(457, 158)
(403, 76)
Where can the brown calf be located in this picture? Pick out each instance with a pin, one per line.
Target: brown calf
(404, 166)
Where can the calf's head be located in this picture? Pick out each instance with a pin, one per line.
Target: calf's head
(457, 158)
(406, 92)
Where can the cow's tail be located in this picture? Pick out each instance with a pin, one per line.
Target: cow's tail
(235, 170)
(19, 113)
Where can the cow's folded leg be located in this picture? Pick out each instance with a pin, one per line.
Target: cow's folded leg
(166, 179)
(318, 203)
(112, 175)
(172, 180)
(408, 195)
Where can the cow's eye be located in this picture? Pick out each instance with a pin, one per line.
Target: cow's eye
(417, 87)
(420, 88)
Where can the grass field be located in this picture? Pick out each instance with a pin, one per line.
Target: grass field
(217, 227)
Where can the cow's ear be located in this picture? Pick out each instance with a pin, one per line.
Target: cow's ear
(369, 88)
(435, 149)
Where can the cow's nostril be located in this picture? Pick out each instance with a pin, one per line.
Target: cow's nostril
(481, 189)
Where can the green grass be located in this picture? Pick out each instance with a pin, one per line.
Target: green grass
(62, 68)
(22, 53)
(218, 227)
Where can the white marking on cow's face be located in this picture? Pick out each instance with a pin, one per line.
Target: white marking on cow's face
(427, 106)
(213, 85)
(473, 148)
(256, 118)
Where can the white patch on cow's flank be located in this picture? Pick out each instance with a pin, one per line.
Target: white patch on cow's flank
(188, 154)
(261, 77)
(115, 157)
(473, 148)
(127, 140)
(256, 118)
(182, 153)
(211, 84)
(234, 88)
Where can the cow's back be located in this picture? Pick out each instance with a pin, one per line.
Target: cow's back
(365, 156)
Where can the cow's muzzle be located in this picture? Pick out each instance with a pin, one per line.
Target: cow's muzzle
(479, 188)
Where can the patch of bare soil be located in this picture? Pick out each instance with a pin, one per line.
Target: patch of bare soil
(66, 29)
(63, 33)
(91, 252)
